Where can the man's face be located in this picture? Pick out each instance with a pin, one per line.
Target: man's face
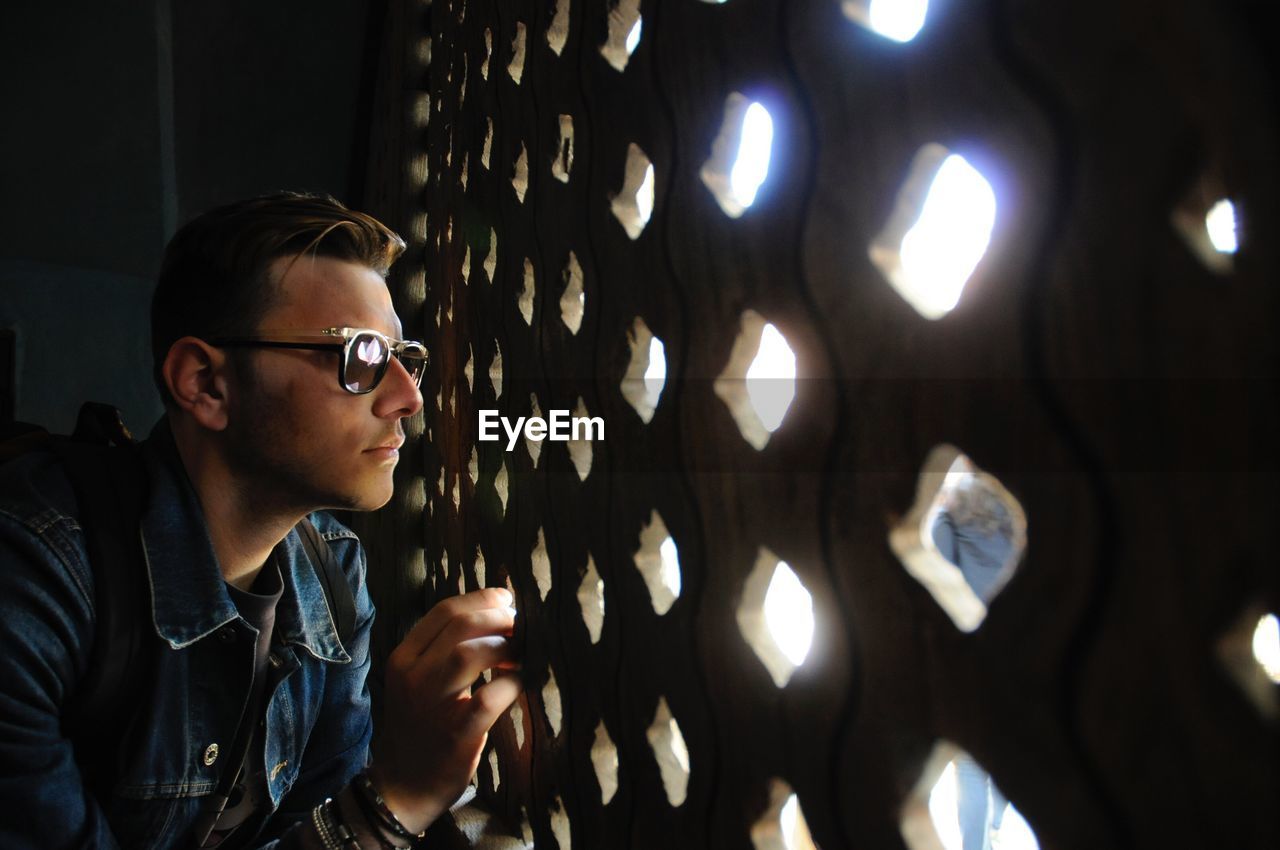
(295, 436)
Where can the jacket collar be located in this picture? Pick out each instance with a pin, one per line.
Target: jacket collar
(189, 598)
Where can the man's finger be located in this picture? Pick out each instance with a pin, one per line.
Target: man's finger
(427, 629)
(488, 622)
(488, 703)
(464, 663)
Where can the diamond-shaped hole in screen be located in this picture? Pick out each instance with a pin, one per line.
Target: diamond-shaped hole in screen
(591, 600)
(534, 447)
(527, 292)
(516, 68)
(758, 383)
(517, 723)
(646, 374)
(668, 745)
(560, 824)
(938, 231)
(563, 163)
(624, 34)
(782, 826)
(573, 301)
(1209, 223)
(658, 560)
(558, 31)
(520, 174)
(551, 703)
(963, 538)
(776, 616)
(633, 205)
(1250, 653)
(956, 804)
(495, 777)
(896, 20)
(540, 562)
(584, 430)
(740, 155)
(604, 759)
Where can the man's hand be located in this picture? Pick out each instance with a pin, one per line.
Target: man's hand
(435, 725)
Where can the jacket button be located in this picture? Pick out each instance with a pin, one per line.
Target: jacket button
(210, 754)
(226, 635)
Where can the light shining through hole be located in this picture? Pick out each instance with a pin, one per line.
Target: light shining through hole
(1266, 646)
(1221, 224)
(771, 378)
(678, 747)
(670, 573)
(899, 20)
(633, 38)
(644, 197)
(752, 164)
(1011, 833)
(782, 826)
(788, 612)
(944, 246)
(789, 819)
(655, 375)
(672, 754)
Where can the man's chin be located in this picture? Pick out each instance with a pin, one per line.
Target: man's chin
(356, 492)
(373, 504)
(371, 498)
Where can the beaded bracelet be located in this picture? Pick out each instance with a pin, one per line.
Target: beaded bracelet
(381, 811)
(320, 819)
(334, 834)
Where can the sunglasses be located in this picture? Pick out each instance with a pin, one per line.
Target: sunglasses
(366, 354)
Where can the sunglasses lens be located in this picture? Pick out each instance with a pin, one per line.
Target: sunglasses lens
(366, 361)
(414, 360)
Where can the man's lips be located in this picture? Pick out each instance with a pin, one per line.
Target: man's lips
(390, 446)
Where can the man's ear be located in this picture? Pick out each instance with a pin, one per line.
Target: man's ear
(198, 376)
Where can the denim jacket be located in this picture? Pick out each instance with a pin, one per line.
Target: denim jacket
(317, 702)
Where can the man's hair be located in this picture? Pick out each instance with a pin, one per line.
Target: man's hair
(214, 278)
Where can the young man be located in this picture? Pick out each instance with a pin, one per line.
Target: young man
(280, 361)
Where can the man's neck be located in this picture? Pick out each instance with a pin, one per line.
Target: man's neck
(243, 527)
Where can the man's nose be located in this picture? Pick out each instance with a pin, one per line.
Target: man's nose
(398, 394)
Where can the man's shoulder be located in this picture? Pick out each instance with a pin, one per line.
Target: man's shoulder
(36, 493)
(41, 541)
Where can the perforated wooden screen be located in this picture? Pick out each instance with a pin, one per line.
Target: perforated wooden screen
(1107, 370)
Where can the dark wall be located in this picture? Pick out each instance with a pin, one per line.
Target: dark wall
(81, 167)
(267, 97)
(122, 121)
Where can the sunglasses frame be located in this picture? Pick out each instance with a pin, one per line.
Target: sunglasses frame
(324, 340)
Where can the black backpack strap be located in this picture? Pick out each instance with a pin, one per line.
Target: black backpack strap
(336, 590)
(109, 481)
